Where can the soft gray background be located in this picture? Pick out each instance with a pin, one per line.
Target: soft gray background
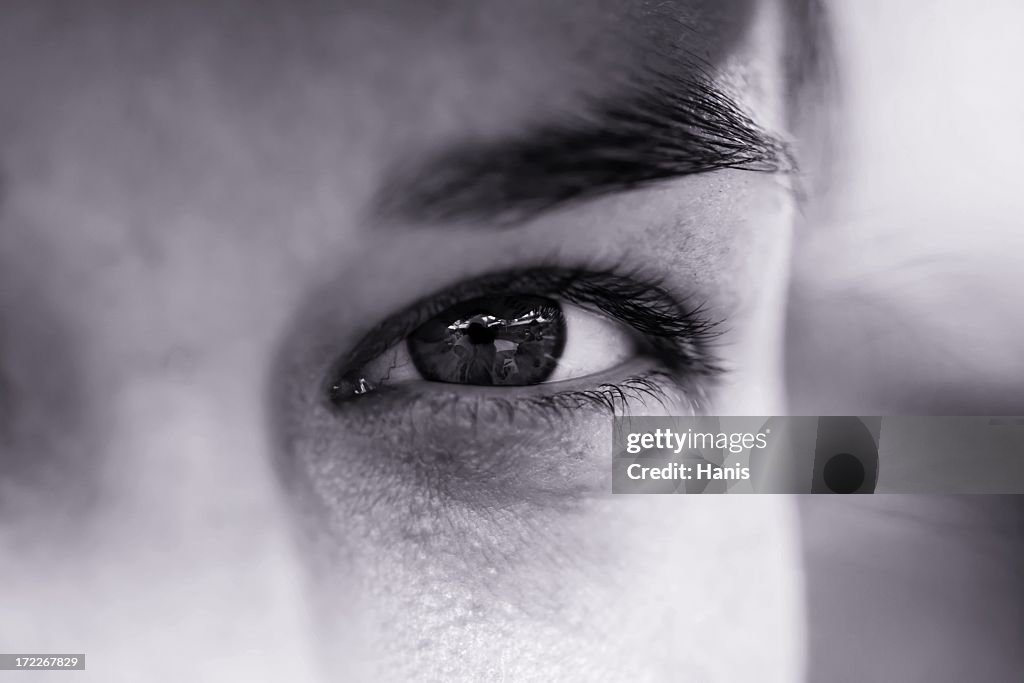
(910, 304)
(908, 290)
(914, 588)
(951, 454)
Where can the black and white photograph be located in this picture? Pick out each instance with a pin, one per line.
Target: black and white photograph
(606, 341)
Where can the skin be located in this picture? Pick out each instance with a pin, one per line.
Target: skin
(185, 248)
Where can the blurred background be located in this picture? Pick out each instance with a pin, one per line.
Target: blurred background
(909, 299)
(909, 296)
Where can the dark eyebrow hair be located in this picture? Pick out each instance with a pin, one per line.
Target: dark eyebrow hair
(665, 127)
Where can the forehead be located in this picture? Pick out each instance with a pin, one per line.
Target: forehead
(305, 104)
(398, 64)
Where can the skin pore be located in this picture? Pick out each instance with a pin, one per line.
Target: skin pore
(190, 240)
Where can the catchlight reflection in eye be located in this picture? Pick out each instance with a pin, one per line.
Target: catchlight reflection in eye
(501, 341)
(515, 340)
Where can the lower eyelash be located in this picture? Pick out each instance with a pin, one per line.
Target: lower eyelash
(617, 399)
(654, 388)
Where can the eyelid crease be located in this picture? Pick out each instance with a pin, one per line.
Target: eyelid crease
(680, 336)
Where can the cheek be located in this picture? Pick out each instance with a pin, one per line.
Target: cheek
(613, 586)
(453, 557)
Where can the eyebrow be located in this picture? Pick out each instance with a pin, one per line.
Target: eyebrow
(664, 128)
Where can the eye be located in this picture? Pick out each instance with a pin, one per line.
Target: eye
(595, 337)
(516, 341)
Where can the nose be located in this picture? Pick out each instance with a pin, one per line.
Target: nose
(183, 567)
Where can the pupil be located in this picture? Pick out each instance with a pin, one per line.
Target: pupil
(493, 341)
(479, 334)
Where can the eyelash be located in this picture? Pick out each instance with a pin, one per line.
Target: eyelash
(680, 340)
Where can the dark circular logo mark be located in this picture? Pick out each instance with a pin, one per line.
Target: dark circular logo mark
(844, 473)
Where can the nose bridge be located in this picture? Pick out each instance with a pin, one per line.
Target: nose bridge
(192, 548)
(189, 447)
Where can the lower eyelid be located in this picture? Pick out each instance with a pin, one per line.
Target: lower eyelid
(634, 388)
(505, 443)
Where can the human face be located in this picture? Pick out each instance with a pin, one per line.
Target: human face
(208, 210)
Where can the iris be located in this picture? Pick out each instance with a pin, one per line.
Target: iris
(495, 341)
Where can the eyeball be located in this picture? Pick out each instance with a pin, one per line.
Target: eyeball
(514, 340)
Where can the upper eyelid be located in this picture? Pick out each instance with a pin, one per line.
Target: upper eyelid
(398, 326)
